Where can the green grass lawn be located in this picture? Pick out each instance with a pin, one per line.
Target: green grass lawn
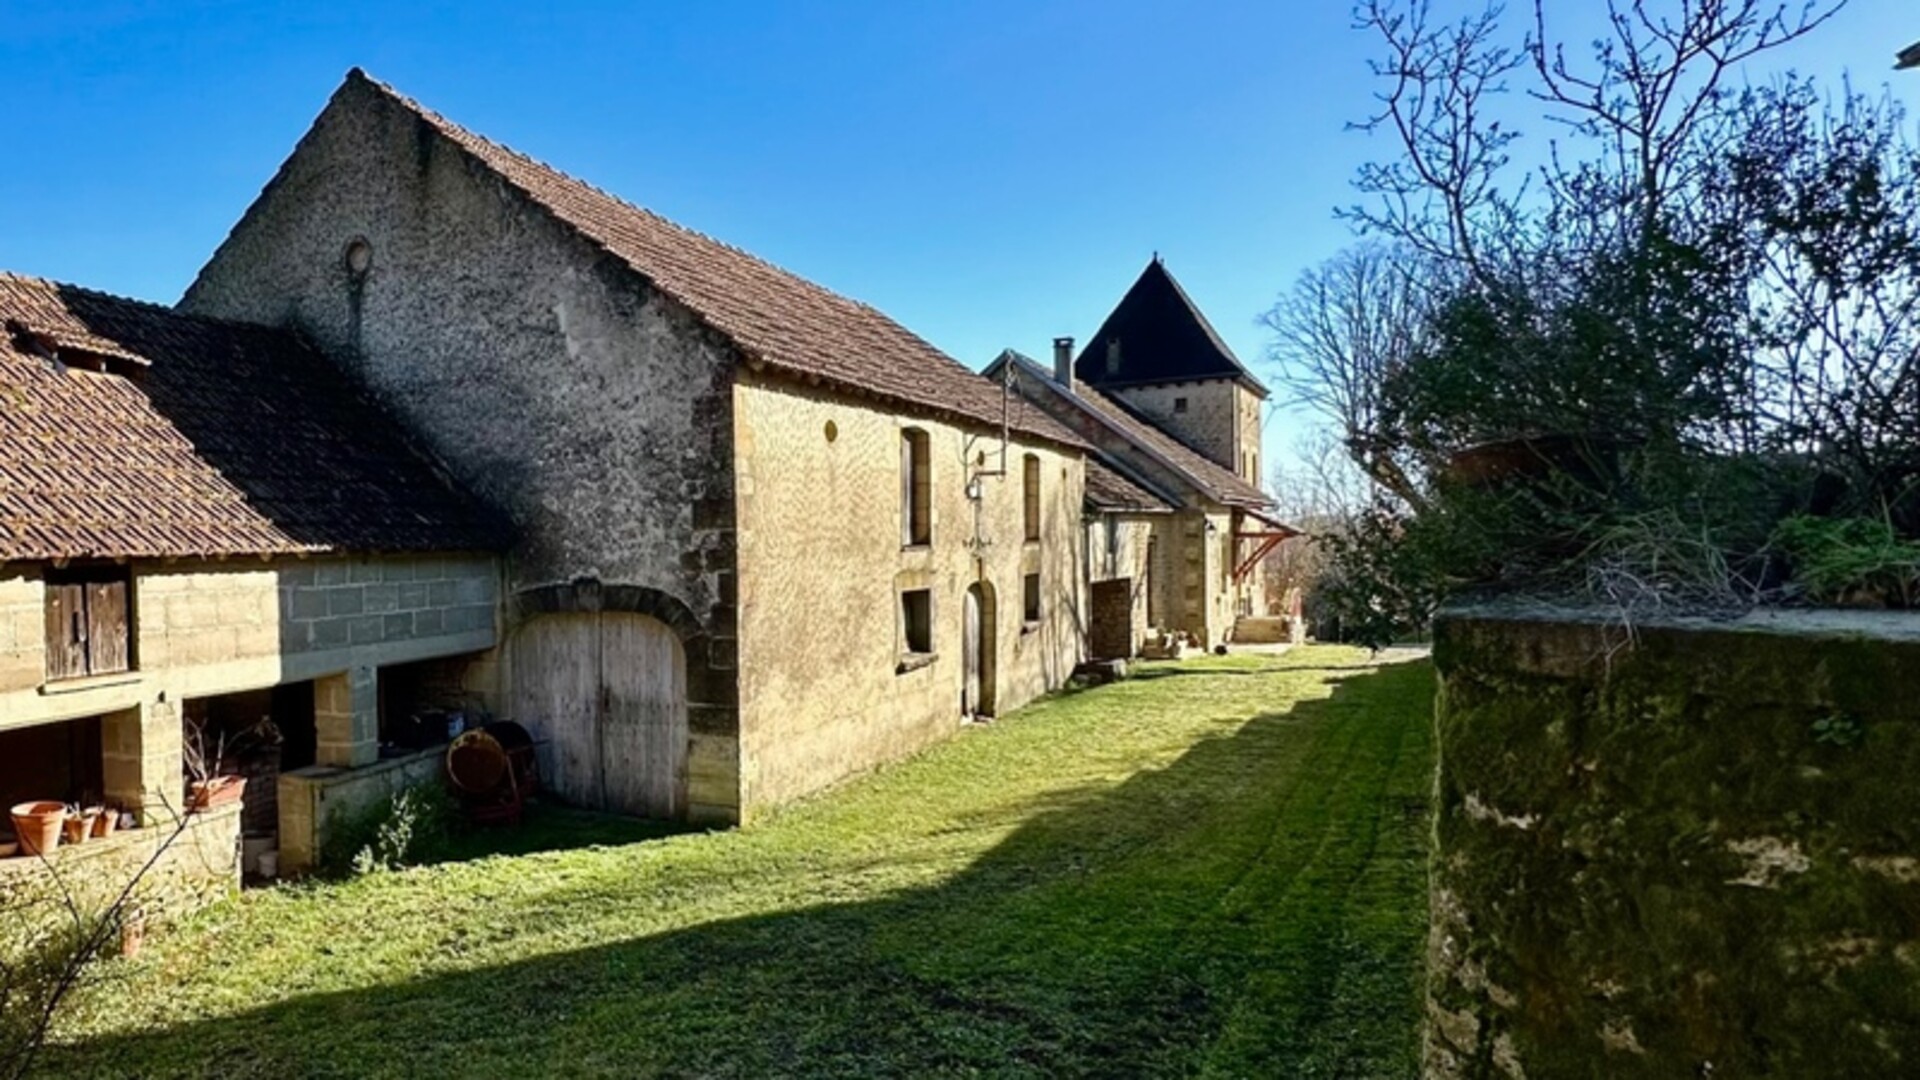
(1215, 868)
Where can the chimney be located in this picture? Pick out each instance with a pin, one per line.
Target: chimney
(1063, 362)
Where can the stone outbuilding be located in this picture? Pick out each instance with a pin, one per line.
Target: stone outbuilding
(765, 536)
(204, 525)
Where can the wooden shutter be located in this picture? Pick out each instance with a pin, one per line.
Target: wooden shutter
(1031, 507)
(66, 631)
(906, 489)
(107, 624)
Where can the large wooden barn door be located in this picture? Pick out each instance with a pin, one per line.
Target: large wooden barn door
(643, 723)
(607, 691)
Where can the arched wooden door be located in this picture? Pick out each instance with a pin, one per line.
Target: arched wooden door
(978, 651)
(608, 693)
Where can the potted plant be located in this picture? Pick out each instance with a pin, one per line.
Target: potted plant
(76, 825)
(204, 752)
(37, 825)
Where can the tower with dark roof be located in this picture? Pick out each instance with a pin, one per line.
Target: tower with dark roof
(1160, 355)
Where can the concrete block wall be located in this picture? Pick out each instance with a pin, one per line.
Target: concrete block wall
(316, 802)
(337, 603)
(142, 760)
(346, 718)
(203, 628)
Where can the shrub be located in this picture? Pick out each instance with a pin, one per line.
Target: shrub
(410, 828)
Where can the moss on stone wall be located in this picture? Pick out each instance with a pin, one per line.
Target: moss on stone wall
(1696, 853)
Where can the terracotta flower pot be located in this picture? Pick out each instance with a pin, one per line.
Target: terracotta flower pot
(75, 827)
(37, 824)
(219, 791)
(104, 820)
(133, 932)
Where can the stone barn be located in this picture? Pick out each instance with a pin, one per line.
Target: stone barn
(767, 537)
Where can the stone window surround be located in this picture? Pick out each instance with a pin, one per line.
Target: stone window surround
(914, 581)
(1031, 601)
(916, 488)
(1030, 498)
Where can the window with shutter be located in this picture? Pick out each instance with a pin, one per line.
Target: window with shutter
(916, 489)
(1031, 488)
(89, 622)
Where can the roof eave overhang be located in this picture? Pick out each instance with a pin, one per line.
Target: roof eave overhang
(761, 366)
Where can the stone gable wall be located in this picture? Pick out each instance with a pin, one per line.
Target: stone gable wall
(548, 378)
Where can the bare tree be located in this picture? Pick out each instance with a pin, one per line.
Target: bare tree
(1649, 88)
(1321, 492)
(56, 931)
(1645, 94)
(1339, 335)
(1441, 196)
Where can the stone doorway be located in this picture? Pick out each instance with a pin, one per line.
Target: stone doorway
(607, 694)
(979, 651)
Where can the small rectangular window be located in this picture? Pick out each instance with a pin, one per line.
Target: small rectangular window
(1030, 598)
(1179, 404)
(1031, 488)
(916, 620)
(916, 489)
(89, 621)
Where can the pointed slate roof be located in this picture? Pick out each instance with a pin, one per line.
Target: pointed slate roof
(1157, 335)
(777, 319)
(128, 430)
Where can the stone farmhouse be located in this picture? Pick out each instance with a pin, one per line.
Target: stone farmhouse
(1178, 525)
(765, 536)
(441, 430)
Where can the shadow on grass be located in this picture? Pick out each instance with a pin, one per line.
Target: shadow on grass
(1150, 674)
(1257, 907)
(549, 826)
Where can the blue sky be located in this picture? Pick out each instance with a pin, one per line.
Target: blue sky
(989, 173)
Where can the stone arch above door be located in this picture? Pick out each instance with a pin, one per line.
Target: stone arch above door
(604, 693)
(590, 594)
(712, 681)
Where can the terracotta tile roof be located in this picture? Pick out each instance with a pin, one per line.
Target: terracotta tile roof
(199, 437)
(1209, 477)
(1108, 489)
(777, 319)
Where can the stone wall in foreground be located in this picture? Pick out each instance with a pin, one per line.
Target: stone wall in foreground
(192, 866)
(1695, 854)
